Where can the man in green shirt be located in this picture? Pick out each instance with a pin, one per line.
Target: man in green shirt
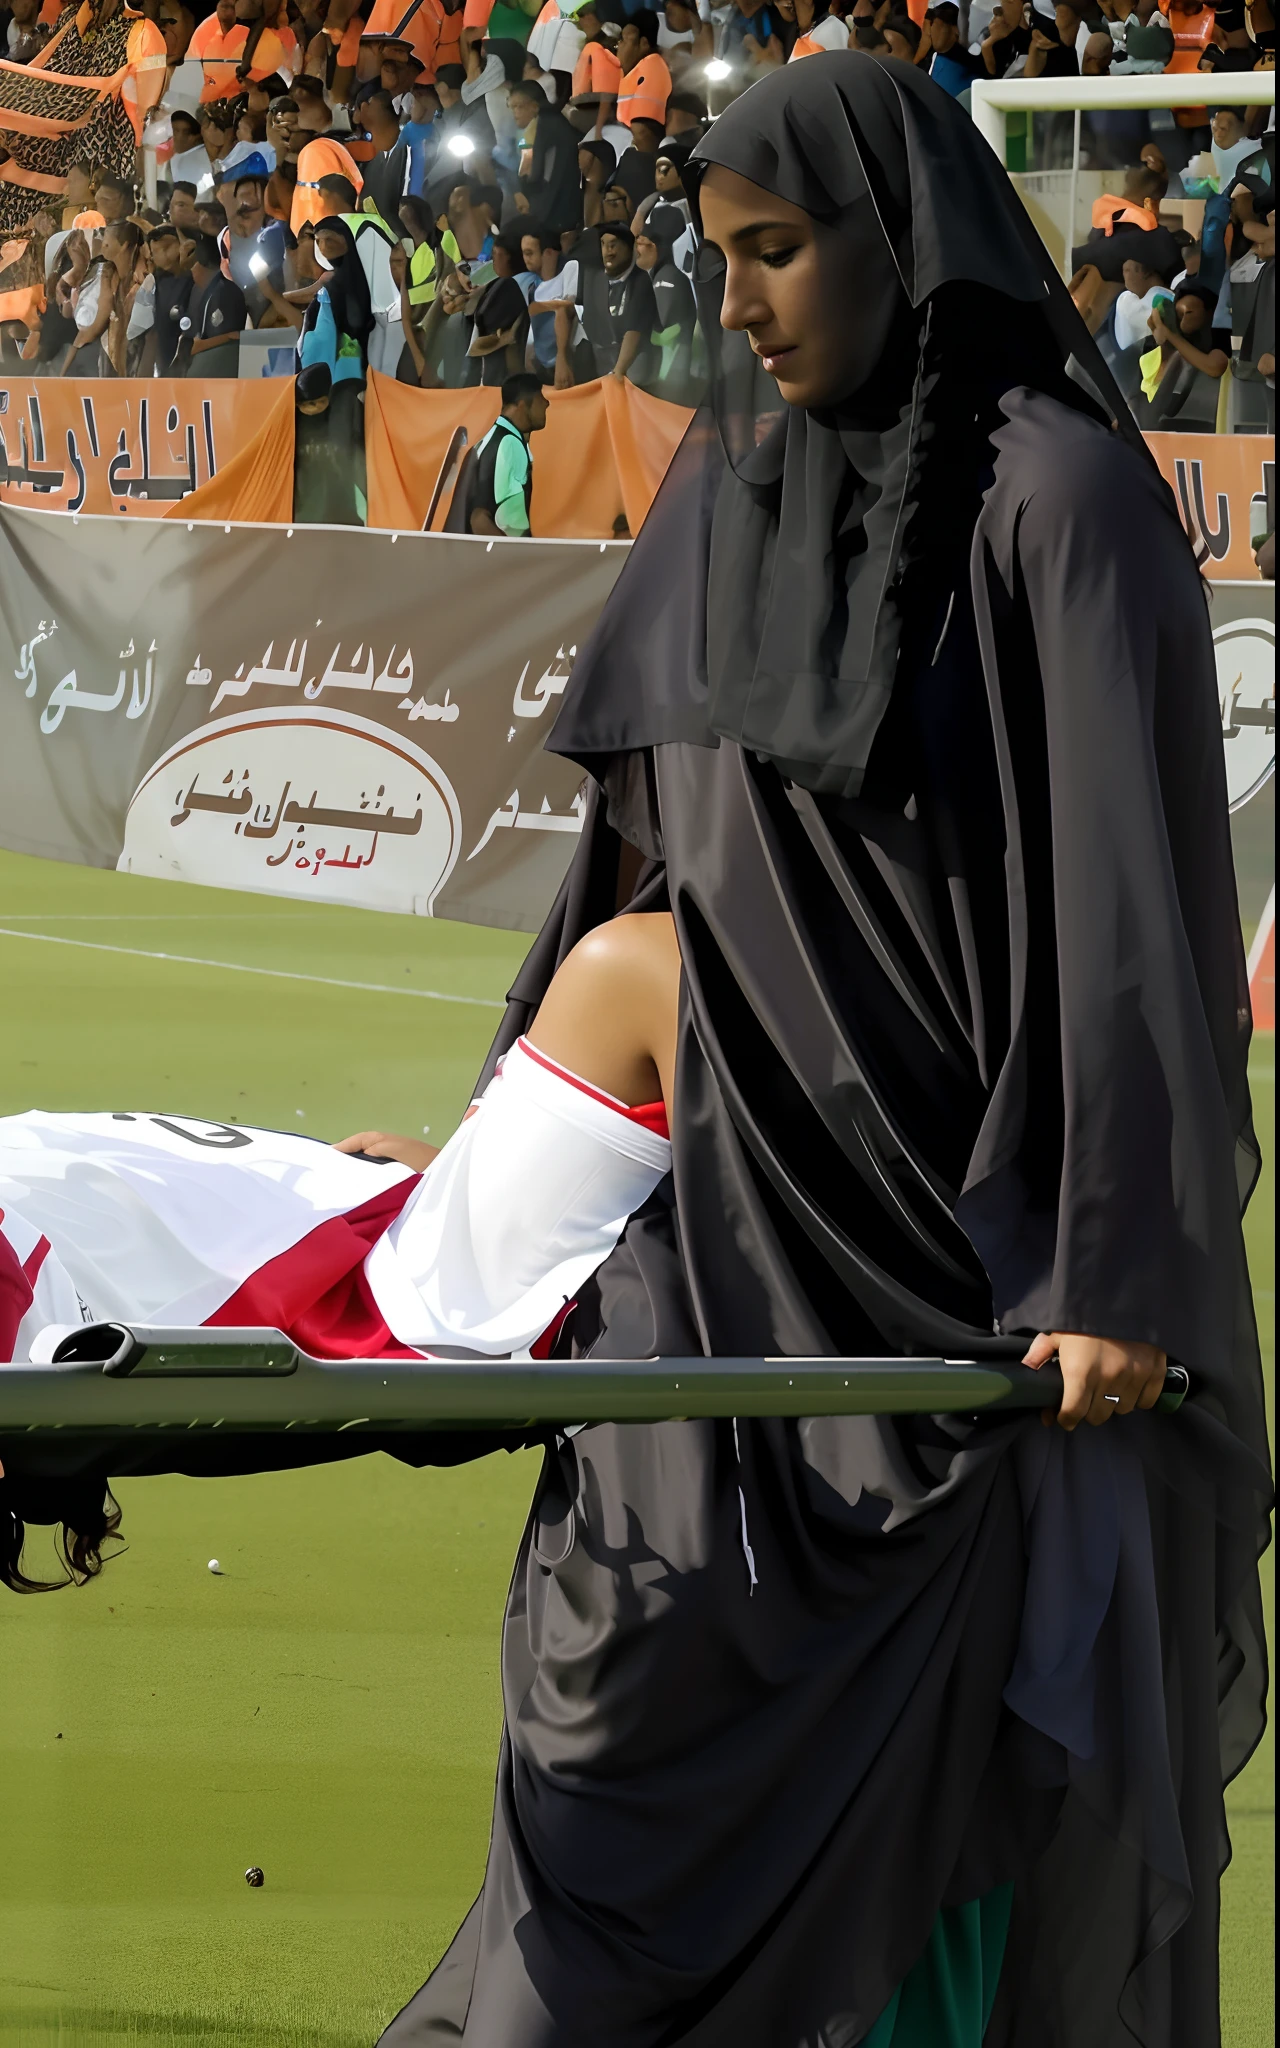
(497, 490)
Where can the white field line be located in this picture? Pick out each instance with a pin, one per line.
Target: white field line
(375, 988)
(158, 916)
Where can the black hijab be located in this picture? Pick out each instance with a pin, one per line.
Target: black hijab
(509, 53)
(792, 631)
(974, 1057)
(348, 287)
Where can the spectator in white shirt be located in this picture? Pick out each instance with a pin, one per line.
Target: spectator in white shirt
(22, 37)
(1136, 303)
(190, 162)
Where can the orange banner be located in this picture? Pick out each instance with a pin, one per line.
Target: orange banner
(1215, 479)
(223, 449)
(596, 463)
(131, 445)
(256, 483)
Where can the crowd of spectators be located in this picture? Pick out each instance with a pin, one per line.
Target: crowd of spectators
(466, 191)
(448, 223)
(1174, 312)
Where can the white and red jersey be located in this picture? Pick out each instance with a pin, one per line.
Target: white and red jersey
(36, 1291)
(178, 1221)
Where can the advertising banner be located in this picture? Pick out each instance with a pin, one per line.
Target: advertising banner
(357, 716)
(352, 717)
(142, 447)
(1223, 484)
(125, 445)
(596, 464)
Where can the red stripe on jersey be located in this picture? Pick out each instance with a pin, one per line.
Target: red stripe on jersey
(541, 1346)
(16, 1296)
(653, 1115)
(34, 1260)
(317, 1293)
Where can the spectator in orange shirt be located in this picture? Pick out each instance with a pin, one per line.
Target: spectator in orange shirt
(322, 157)
(269, 44)
(211, 44)
(432, 30)
(597, 75)
(645, 87)
(230, 48)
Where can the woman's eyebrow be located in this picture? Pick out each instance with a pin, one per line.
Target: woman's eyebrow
(762, 227)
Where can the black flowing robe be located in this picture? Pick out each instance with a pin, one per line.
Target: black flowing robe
(958, 1060)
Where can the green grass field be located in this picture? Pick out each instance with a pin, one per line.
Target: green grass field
(329, 1708)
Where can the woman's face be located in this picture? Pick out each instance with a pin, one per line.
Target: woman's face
(819, 316)
(617, 204)
(646, 253)
(531, 252)
(1193, 314)
(331, 246)
(667, 178)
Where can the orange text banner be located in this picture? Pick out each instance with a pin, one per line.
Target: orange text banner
(1215, 480)
(596, 464)
(131, 445)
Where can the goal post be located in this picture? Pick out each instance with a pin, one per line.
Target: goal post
(991, 99)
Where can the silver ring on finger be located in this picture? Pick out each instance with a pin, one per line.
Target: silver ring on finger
(1112, 1397)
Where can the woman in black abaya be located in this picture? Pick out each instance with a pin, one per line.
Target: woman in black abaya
(905, 1733)
(867, 1731)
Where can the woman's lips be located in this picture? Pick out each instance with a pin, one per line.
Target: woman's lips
(772, 357)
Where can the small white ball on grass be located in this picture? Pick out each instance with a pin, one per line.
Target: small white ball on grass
(215, 1567)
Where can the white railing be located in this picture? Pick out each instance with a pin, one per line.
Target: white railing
(992, 98)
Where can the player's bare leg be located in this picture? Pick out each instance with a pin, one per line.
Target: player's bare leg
(609, 1016)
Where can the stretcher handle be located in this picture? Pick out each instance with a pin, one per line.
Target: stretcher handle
(116, 1376)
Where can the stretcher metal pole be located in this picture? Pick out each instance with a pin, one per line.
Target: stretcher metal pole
(116, 1380)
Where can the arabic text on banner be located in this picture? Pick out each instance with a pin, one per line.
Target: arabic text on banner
(132, 446)
(345, 716)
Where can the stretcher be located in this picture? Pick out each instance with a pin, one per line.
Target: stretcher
(117, 1380)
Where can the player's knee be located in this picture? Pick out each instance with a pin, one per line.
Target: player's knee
(611, 1006)
(630, 958)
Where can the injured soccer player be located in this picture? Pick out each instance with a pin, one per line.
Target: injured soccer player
(380, 1246)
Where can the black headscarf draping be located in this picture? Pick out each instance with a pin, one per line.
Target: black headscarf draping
(972, 1056)
(795, 620)
(509, 53)
(348, 288)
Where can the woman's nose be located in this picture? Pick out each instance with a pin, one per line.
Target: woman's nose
(742, 305)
